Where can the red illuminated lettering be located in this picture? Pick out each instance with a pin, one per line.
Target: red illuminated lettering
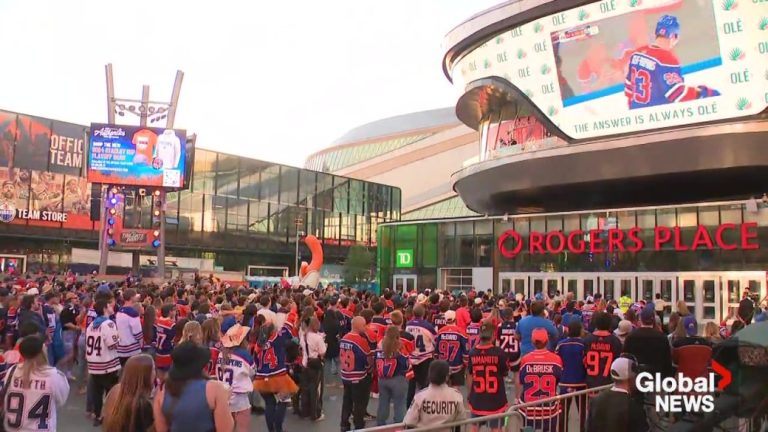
(560, 242)
(615, 240)
(679, 246)
(702, 238)
(595, 242)
(634, 236)
(661, 235)
(749, 232)
(506, 252)
(534, 242)
(579, 247)
(719, 236)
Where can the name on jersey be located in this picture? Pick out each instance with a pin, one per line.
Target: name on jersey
(231, 362)
(34, 384)
(449, 336)
(485, 359)
(600, 346)
(439, 407)
(644, 62)
(539, 369)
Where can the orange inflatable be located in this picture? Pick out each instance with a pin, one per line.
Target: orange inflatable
(310, 275)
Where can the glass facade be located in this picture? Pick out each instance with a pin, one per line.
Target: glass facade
(336, 159)
(472, 243)
(449, 208)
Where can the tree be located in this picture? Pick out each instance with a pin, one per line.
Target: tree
(357, 267)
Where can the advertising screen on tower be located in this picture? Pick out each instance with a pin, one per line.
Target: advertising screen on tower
(622, 66)
(137, 156)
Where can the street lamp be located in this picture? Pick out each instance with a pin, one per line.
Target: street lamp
(299, 222)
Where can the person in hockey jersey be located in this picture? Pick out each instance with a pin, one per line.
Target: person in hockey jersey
(452, 346)
(101, 352)
(655, 77)
(235, 367)
(540, 372)
(424, 340)
(488, 366)
(356, 358)
(165, 333)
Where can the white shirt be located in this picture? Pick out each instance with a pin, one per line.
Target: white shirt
(28, 402)
(269, 316)
(316, 344)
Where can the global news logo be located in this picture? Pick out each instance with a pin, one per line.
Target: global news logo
(681, 394)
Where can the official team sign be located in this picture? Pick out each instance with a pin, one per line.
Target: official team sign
(136, 156)
(622, 66)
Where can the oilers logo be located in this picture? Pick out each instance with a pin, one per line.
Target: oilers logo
(7, 211)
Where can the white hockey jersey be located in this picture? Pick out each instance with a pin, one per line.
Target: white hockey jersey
(237, 371)
(33, 407)
(101, 341)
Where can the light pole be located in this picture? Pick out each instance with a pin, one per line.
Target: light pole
(298, 221)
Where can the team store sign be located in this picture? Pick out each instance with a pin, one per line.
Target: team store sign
(511, 243)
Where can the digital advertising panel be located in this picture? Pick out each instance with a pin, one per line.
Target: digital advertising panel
(623, 66)
(136, 156)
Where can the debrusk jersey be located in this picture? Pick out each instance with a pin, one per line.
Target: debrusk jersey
(452, 346)
(355, 356)
(237, 370)
(601, 348)
(31, 407)
(130, 331)
(168, 149)
(488, 366)
(424, 340)
(101, 343)
(165, 332)
(540, 371)
(473, 334)
(388, 367)
(506, 340)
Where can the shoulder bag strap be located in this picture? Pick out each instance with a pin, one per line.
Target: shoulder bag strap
(4, 391)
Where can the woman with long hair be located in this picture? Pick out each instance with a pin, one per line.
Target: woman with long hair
(148, 327)
(190, 400)
(22, 398)
(393, 368)
(192, 332)
(235, 367)
(313, 349)
(128, 406)
(272, 379)
(712, 333)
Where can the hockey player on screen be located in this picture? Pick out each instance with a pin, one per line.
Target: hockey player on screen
(654, 76)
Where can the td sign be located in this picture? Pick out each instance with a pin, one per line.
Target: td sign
(404, 258)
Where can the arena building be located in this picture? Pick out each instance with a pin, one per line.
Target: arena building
(236, 212)
(620, 150)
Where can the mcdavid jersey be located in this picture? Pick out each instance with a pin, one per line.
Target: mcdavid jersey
(101, 348)
(571, 352)
(168, 149)
(379, 325)
(488, 366)
(540, 371)
(601, 348)
(399, 365)
(438, 321)
(165, 332)
(424, 337)
(355, 356)
(654, 78)
(473, 334)
(270, 359)
(237, 370)
(506, 340)
(34, 408)
(452, 346)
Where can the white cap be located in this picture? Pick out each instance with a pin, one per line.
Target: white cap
(478, 300)
(307, 293)
(450, 315)
(590, 299)
(421, 298)
(33, 291)
(622, 369)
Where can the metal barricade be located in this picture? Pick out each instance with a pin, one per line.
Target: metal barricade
(562, 413)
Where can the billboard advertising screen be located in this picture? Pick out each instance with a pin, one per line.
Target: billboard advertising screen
(622, 66)
(137, 156)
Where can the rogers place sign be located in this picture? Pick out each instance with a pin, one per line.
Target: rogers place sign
(511, 243)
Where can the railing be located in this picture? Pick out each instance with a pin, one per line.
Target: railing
(572, 417)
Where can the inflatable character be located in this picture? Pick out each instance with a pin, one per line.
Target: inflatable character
(309, 274)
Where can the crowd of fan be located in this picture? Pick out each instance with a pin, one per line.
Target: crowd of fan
(205, 355)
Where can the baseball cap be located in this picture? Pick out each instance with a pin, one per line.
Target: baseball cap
(690, 324)
(648, 314)
(421, 298)
(539, 335)
(624, 328)
(622, 369)
(33, 291)
(478, 301)
(450, 315)
(590, 299)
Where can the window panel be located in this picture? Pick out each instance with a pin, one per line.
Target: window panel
(341, 195)
(289, 185)
(270, 184)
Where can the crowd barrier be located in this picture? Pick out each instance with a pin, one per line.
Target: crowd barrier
(572, 416)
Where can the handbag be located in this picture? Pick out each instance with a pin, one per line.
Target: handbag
(3, 392)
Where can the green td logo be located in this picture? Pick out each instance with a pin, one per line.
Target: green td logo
(404, 258)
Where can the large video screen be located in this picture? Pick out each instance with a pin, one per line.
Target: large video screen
(622, 66)
(137, 156)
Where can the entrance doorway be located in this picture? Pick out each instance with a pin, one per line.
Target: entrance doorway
(404, 283)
